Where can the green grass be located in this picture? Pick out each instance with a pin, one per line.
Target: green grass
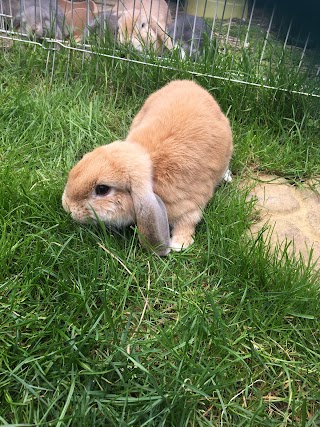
(97, 332)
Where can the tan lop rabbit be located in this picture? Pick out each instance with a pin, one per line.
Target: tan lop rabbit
(144, 24)
(177, 151)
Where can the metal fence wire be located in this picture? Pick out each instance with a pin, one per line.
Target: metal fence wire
(275, 44)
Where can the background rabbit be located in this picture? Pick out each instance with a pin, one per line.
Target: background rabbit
(187, 31)
(144, 24)
(105, 21)
(177, 151)
(79, 17)
(42, 18)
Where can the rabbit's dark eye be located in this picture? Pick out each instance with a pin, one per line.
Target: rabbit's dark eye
(143, 24)
(102, 190)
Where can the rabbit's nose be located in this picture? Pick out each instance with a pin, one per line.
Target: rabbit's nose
(39, 30)
(36, 29)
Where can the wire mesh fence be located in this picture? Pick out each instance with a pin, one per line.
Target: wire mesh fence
(253, 42)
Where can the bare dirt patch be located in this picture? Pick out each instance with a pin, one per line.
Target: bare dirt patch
(293, 212)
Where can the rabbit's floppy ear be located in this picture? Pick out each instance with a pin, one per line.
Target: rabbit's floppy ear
(161, 32)
(151, 218)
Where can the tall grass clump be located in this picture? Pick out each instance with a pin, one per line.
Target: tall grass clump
(94, 330)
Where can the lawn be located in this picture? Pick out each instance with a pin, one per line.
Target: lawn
(97, 332)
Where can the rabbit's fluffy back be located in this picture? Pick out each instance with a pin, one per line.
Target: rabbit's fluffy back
(189, 141)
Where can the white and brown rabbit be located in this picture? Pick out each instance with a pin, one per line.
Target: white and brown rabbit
(144, 23)
(177, 151)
